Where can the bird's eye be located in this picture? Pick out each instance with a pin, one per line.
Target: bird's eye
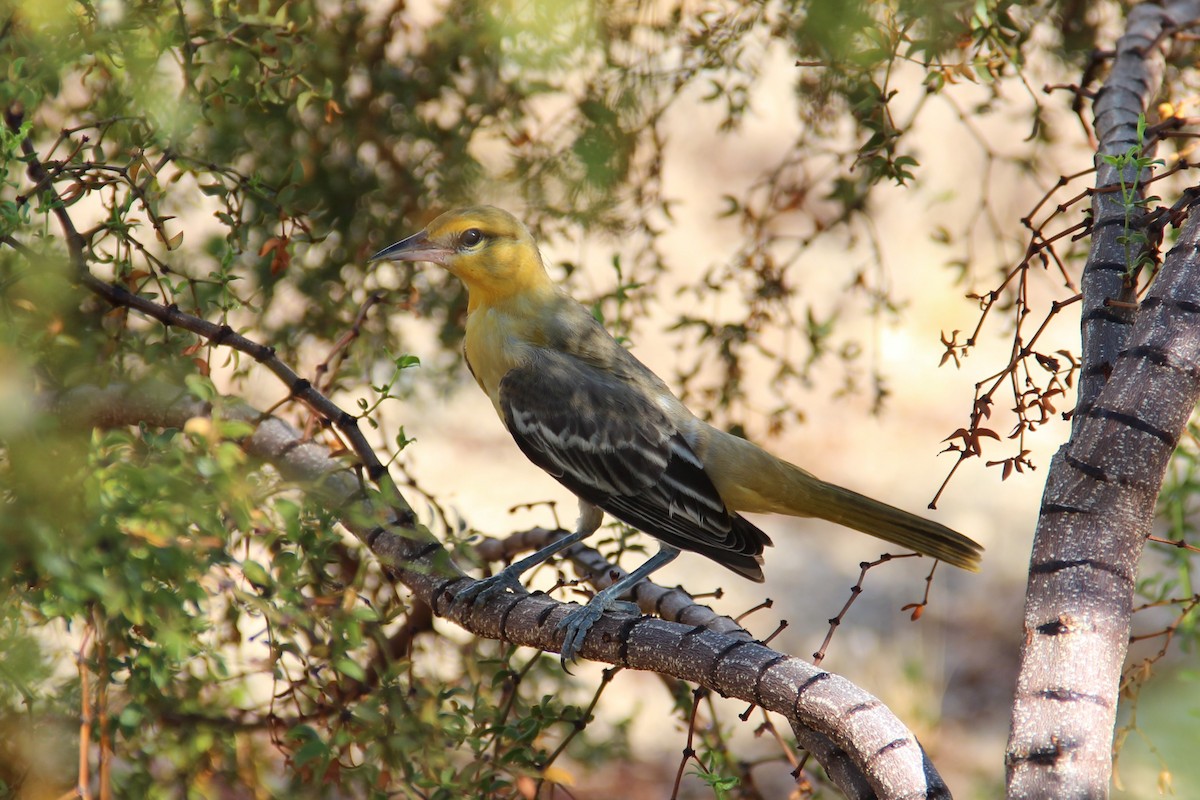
(471, 237)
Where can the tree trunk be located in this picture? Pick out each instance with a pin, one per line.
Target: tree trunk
(1141, 381)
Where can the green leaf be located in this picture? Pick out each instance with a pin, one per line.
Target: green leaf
(256, 574)
(350, 668)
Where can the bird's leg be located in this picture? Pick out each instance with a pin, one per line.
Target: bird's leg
(580, 620)
(509, 578)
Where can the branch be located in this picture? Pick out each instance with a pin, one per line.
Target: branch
(1109, 281)
(1140, 383)
(673, 604)
(1096, 514)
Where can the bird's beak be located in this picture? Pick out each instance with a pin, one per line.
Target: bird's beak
(417, 247)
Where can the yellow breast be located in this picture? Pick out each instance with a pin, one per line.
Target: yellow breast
(494, 345)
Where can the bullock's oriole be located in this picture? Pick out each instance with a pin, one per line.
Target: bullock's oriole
(584, 409)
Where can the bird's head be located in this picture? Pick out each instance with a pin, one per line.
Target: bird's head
(487, 248)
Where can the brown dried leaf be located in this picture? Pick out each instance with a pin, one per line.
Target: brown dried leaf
(269, 245)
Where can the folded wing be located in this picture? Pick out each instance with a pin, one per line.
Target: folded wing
(611, 444)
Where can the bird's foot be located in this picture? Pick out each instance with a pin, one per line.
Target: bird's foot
(580, 620)
(627, 607)
(506, 580)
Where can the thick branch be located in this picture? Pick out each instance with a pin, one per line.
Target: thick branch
(1139, 386)
(1118, 221)
(1096, 513)
(668, 603)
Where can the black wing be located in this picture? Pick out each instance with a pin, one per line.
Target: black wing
(610, 443)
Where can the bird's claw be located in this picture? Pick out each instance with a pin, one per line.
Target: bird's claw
(483, 590)
(626, 607)
(580, 620)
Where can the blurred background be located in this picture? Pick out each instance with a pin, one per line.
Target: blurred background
(810, 218)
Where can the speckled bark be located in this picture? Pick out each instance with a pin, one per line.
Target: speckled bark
(1131, 87)
(1142, 382)
(1096, 513)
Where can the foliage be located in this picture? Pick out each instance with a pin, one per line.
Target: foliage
(240, 160)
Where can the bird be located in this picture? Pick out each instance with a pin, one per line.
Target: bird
(583, 408)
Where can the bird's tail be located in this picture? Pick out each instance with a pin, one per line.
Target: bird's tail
(751, 479)
(845, 507)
